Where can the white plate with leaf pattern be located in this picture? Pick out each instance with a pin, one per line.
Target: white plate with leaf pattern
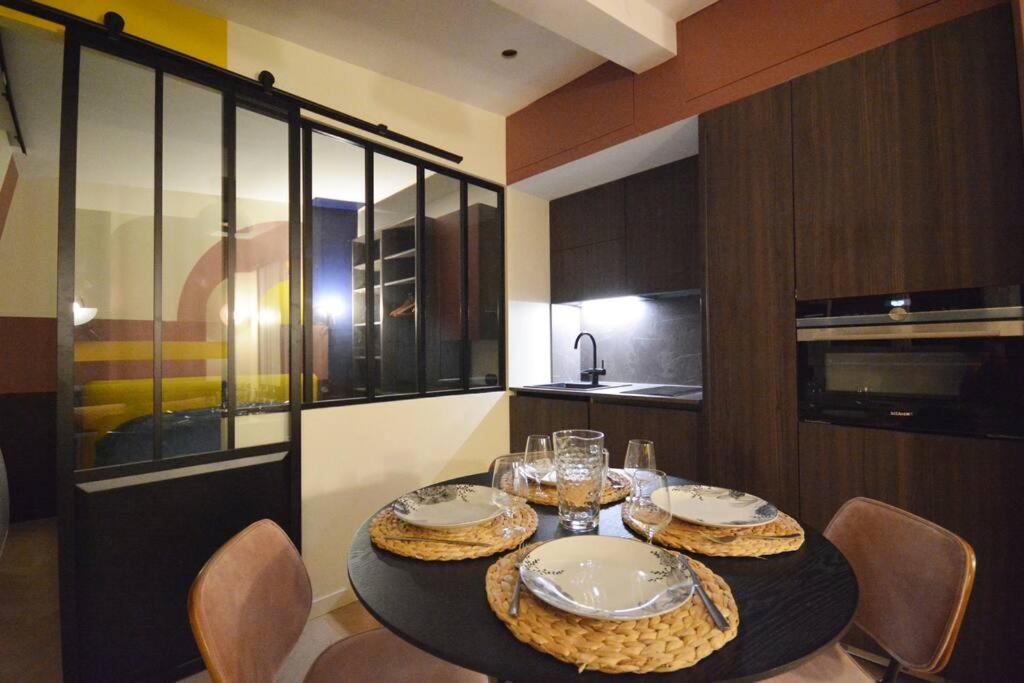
(715, 506)
(447, 506)
(606, 577)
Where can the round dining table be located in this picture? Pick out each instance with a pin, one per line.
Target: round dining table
(791, 606)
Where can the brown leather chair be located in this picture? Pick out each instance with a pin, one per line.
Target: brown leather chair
(248, 607)
(915, 579)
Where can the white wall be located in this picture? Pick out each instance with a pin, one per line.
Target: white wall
(358, 458)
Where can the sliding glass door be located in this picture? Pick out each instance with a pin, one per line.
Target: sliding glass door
(179, 344)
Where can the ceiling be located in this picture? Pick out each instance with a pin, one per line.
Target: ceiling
(452, 47)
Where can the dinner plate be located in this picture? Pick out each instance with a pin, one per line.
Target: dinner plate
(605, 577)
(714, 506)
(449, 506)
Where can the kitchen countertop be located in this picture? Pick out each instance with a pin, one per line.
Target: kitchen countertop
(615, 395)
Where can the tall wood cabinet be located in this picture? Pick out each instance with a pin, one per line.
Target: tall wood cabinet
(750, 398)
(909, 165)
(676, 435)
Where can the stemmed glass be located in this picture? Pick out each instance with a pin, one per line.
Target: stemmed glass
(539, 457)
(640, 507)
(511, 485)
(639, 456)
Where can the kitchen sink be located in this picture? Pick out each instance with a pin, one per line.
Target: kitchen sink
(576, 385)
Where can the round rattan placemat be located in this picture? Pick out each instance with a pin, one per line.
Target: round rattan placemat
(548, 495)
(695, 538)
(668, 642)
(386, 523)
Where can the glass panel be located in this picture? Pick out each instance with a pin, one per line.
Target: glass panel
(194, 295)
(442, 282)
(486, 298)
(341, 272)
(261, 278)
(394, 217)
(114, 262)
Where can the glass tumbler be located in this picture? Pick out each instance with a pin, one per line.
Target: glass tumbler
(580, 464)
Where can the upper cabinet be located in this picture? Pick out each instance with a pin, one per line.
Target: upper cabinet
(909, 165)
(636, 235)
(662, 235)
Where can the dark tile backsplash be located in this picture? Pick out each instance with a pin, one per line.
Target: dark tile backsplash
(653, 341)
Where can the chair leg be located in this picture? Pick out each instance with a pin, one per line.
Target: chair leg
(892, 672)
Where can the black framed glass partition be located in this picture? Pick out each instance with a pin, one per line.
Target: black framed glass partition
(404, 274)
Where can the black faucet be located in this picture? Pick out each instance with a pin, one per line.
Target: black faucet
(594, 371)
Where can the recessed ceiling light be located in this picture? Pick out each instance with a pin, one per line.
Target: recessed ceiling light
(509, 53)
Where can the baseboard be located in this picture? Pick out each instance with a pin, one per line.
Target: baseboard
(330, 602)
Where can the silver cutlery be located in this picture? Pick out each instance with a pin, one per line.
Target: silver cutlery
(450, 541)
(716, 614)
(732, 538)
(513, 605)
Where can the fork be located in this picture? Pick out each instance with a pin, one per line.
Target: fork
(513, 605)
(732, 538)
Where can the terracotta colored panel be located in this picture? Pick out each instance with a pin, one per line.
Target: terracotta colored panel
(728, 51)
(595, 104)
(28, 347)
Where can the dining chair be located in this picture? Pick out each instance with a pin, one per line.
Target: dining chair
(915, 579)
(248, 607)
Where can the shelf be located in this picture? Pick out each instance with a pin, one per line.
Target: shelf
(362, 266)
(363, 289)
(403, 281)
(364, 357)
(375, 322)
(408, 253)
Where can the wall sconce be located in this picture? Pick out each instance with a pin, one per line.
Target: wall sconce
(82, 313)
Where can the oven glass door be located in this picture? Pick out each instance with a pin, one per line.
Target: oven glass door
(951, 386)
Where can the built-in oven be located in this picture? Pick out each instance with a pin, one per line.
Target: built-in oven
(945, 362)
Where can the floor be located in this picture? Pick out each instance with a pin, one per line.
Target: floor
(29, 607)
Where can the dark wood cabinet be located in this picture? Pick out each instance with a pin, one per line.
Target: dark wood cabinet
(637, 235)
(750, 355)
(909, 165)
(663, 247)
(676, 435)
(969, 486)
(537, 415)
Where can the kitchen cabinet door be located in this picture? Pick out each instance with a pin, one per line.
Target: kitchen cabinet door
(663, 247)
(536, 415)
(750, 358)
(972, 488)
(676, 435)
(589, 217)
(831, 470)
(909, 165)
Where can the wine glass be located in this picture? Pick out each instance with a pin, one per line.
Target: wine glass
(510, 488)
(641, 508)
(639, 456)
(539, 456)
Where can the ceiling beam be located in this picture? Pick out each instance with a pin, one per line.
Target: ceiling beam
(632, 33)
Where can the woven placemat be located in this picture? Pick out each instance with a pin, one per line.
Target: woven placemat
(548, 495)
(695, 538)
(669, 642)
(386, 523)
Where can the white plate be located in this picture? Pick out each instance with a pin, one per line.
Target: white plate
(715, 506)
(604, 577)
(448, 506)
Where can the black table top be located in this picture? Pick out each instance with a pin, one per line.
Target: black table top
(791, 606)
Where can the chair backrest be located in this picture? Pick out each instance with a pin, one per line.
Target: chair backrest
(249, 604)
(915, 578)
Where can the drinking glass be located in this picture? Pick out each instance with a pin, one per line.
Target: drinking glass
(511, 486)
(581, 462)
(640, 508)
(539, 456)
(639, 456)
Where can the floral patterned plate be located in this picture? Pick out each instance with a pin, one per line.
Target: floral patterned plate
(714, 506)
(449, 506)
(605, 577)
